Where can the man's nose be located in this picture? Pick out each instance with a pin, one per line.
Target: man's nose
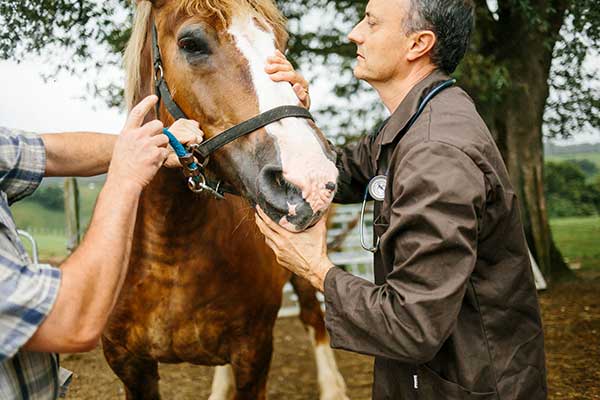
(354, 36)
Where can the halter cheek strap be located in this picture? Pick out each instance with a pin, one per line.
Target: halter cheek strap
(160, 85)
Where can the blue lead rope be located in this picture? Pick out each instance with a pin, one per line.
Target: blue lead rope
(175, 144)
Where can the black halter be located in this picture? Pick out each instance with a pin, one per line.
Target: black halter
(206, 148)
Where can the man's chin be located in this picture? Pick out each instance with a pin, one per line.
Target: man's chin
(359, 73)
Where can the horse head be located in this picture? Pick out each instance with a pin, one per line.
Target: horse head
(213, 57)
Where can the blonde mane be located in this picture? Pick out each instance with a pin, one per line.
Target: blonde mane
(222, 9)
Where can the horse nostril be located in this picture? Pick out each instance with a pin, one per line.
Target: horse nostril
(330, 186)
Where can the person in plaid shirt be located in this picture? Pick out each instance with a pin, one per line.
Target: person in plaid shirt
(46, 310)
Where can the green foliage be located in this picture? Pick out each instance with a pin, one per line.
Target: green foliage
(567, 192)
(71, 29)
(587, 167)
(576, 106)
(50, 197)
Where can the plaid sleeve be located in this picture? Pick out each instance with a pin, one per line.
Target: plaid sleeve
(27, 294)
(22, 163)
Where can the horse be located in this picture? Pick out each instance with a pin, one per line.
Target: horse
(202, 286)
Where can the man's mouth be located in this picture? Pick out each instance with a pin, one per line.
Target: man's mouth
(358, 55)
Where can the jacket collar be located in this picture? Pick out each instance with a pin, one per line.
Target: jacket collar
(409, 106)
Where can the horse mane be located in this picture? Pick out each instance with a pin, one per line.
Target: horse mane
(222, 9)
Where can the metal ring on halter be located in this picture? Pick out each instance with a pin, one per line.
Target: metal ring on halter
(197, 183)
(158, 69)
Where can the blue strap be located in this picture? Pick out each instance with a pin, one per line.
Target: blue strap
(175, 144)
(178, 147)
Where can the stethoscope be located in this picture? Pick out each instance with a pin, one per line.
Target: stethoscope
(376, 187)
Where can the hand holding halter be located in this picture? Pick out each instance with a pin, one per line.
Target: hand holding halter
(192, 169)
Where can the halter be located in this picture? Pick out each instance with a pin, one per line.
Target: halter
(196, 156)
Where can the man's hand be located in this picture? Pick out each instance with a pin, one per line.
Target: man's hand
(188, 132)
(140, 150)
(303, 253)
(281, 70)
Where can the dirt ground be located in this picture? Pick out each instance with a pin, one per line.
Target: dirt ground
(571, 313)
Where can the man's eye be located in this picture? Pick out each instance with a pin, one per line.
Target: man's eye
(193, 45)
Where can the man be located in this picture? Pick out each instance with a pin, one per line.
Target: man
(453, 311)
(44, 310)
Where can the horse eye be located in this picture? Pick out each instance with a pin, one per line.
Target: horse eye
(193, 45)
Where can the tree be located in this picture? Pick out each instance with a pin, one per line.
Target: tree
(516, 46)
(521, 49)
(567, 192)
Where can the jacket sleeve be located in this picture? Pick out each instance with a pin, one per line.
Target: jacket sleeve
(437, 194)
(355, 168)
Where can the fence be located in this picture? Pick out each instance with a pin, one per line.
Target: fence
(344, 250)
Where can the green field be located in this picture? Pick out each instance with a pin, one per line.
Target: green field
(48, 226)
(593, 157)
(579, 240)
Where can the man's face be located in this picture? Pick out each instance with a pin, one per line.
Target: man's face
(381, 42)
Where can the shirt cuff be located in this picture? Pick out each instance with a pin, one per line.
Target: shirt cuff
(30, 167)
(36, 160)
(29, 299)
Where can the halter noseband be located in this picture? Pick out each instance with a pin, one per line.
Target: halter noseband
(195, 171)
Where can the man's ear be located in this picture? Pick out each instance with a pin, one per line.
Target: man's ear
(422, 43)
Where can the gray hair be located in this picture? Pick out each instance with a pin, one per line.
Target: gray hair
(452, 23)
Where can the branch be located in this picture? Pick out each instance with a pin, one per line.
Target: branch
(485, 27)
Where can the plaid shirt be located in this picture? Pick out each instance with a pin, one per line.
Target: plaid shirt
(27, 291)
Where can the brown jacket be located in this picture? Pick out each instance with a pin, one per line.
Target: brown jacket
(453, 312)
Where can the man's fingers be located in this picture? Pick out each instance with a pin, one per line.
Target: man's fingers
(285, 76)
(276, 66)
(269, 223)
(138, 113)
(159, 140)
(152, 128)
(300, 92)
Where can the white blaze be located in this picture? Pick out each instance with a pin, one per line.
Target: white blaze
(303, 160)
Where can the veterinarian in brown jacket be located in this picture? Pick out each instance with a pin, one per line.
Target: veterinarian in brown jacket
(453, 311)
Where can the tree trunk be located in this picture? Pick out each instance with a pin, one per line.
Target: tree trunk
(517, 126)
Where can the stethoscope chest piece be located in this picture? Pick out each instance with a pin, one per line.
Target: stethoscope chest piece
(377, 187)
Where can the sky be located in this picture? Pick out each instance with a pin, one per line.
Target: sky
(59, 105)
(64, 103)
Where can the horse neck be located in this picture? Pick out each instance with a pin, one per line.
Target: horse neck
(173, 210)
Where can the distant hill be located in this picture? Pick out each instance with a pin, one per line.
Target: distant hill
(551, 149)
(98, 180)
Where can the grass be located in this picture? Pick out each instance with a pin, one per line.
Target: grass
(593, 157)
(48, 226)
(579, 240)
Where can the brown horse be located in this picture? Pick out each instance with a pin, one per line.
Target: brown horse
(202, 286)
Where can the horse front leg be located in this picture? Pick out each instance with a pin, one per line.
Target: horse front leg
(140, 376)
(331, 382)
(223, 384)
(250, 362)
